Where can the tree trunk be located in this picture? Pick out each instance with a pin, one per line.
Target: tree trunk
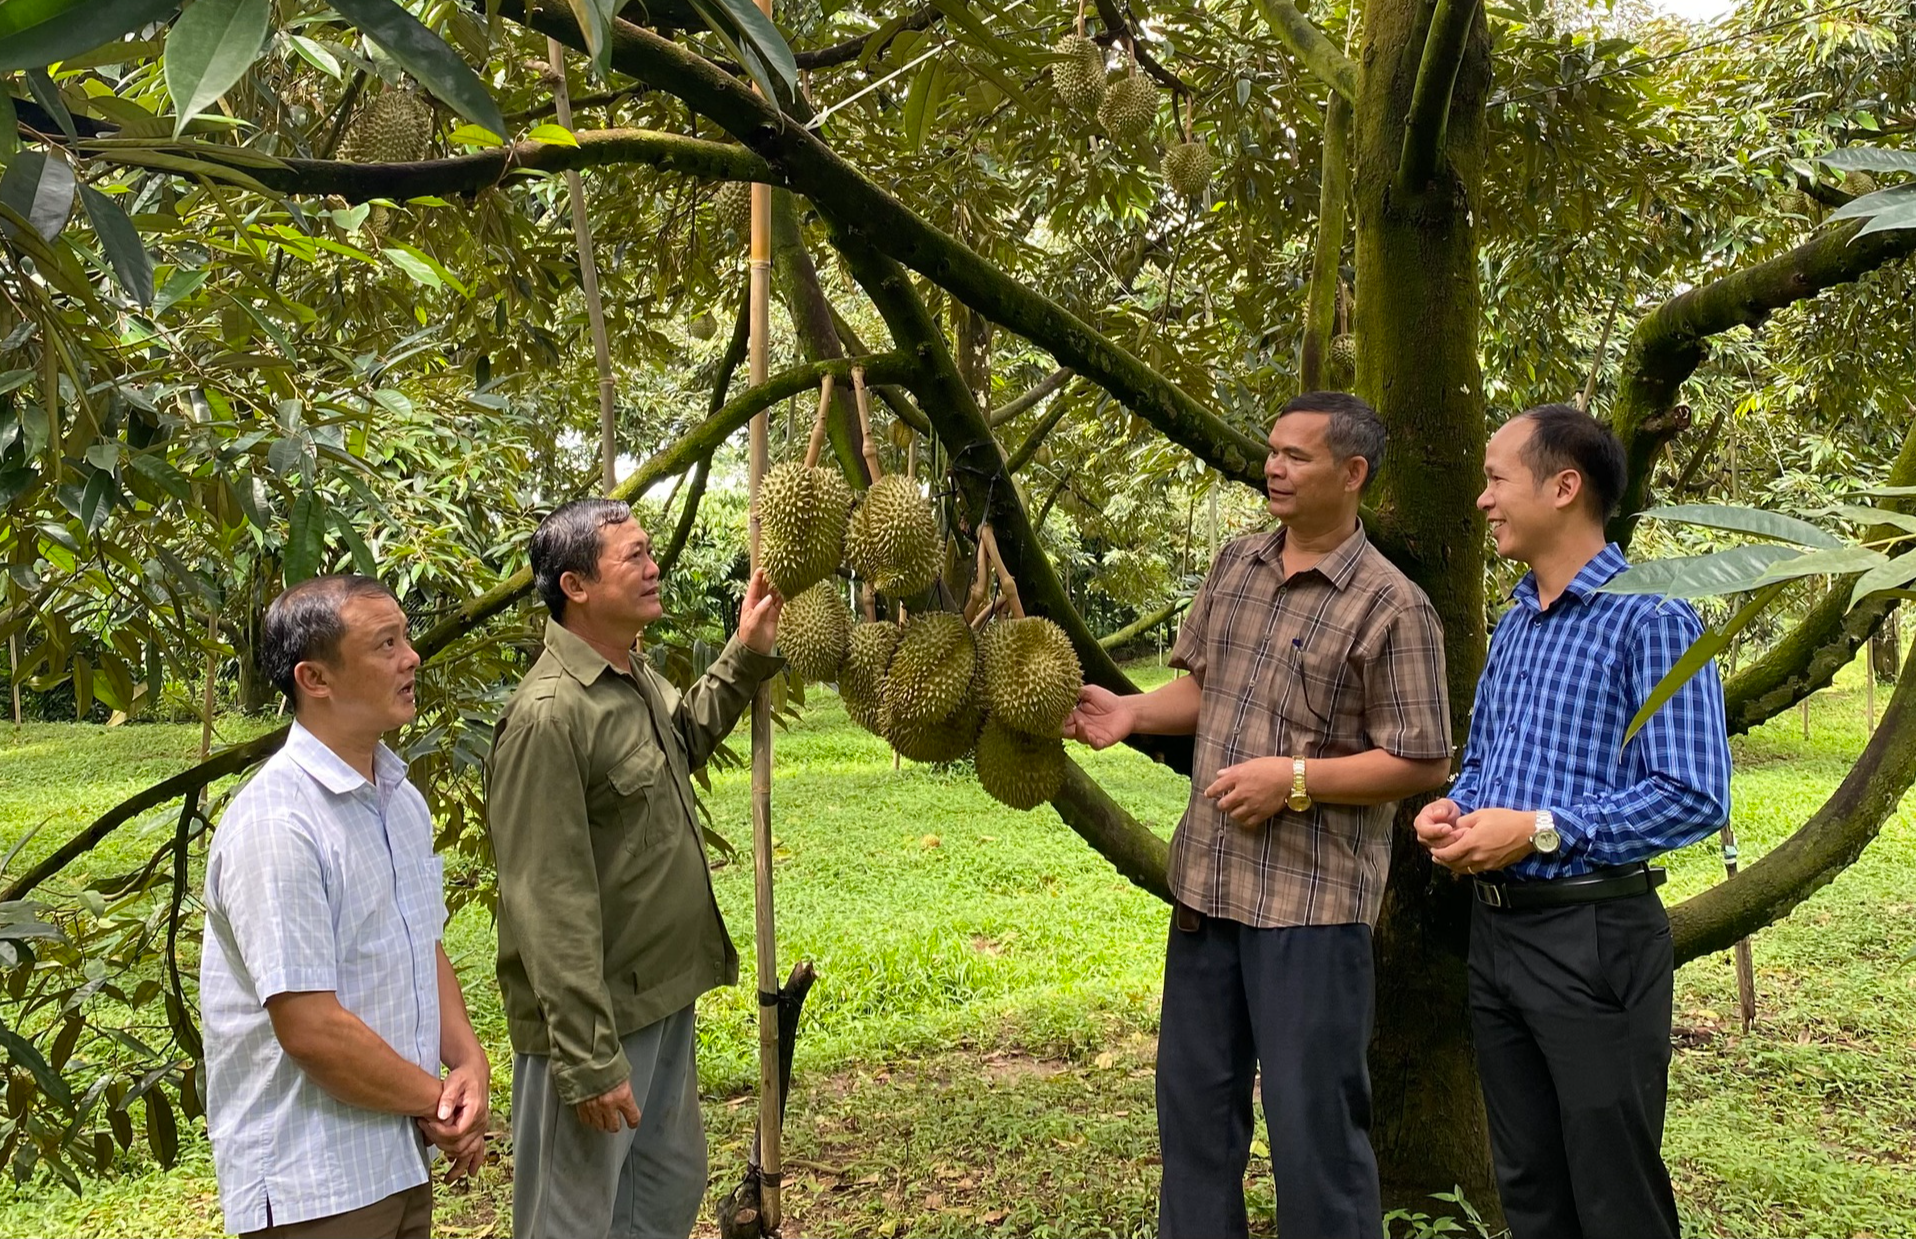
(256, 694)
(1886, 652)
(1416, 321)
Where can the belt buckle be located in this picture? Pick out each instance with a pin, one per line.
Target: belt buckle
(1491, 894)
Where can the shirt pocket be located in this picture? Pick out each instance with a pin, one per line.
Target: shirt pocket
(639, 781)
(1309, 685)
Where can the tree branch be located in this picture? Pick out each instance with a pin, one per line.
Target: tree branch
(1029, 448)
(797, 279)
(1119, 28)
(1311, 46)
(859, 209)
(1670, 342)
(1143, 624)
(1320, 306)
(1428, 124)
(1037, 392)
(1825, 845)
(851, 49)
(1114, 834)
(460, 174)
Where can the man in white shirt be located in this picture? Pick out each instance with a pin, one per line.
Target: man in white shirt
(329, 1004)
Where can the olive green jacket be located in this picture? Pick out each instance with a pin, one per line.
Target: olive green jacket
(607, 920)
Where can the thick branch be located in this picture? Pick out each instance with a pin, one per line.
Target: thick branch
(1029, 448)
(1311, 46)
(1670, 342)
(1320, 309)
(1143, 624)
(688, 516)
(1428, 124)
(1114, 834)
(1037, 392)
(467, 174)
(852, 49)
(1119, 28)
(1828, 637)
(896, 398)
(1812, 857)
(860, 209)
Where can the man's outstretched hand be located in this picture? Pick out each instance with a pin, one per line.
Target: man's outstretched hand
(1101, 718)
(758, 614)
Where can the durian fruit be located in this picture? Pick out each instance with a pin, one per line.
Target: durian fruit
(861, 677)
(396, 127)
(1187, 169)
(1017, 769)
(945, 739)
(1794, 202)
(932, 672)
(1858, 183)
(1342, 370)
(1129, 108)
(1031, 674)
(1079, 77)
(892, 540)
(733, 203)
(702, 327)
(814, 632)
(801, 515)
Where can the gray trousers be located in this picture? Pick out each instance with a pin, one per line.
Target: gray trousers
(570, 1181)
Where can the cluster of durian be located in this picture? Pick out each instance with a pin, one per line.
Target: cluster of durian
(810, 523)
(1126, 105)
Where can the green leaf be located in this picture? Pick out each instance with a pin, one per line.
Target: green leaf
(1901, 215)
(1869, 159)
(96, 501)
(595, 23)
(1893, 575)
(1889, 492)
(47, 95)
(1700, 576)
(36, 33)
(552, 135)
(1836, 561)
(212, 44)
(177, 287)
(758, 44)
(1753, 521)
(474, 135)
(163, 474)
(40, 191)
(1701, 651)
(305, 538)
(363, 561)
(1867, 516)
(1865, 205)
(414, 266)
(921, 101)
(9, 126)
(23, 1054)
(427, 57)
(162, 1130)
(132, 266)
(315, 54)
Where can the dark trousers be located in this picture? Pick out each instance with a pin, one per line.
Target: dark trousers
(402, 1215)
(1570, 1008)
(1298, 1001)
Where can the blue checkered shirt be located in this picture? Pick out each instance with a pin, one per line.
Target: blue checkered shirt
(316, 880)
(1547, 730)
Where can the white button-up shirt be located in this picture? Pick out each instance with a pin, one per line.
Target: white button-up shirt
(316, 880)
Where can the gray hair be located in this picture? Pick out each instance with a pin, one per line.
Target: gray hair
(1355, 428)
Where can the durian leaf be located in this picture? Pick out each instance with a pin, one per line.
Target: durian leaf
(1705, 647)
(1869, 159)
(1701, 576)
(1754, 521)
(427, 57)
(36, 33)
(132, 266)
(40, 191)
(211, 46)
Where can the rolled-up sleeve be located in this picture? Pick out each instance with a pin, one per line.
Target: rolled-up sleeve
(549, 891)
(271, 889)
(1189, 651)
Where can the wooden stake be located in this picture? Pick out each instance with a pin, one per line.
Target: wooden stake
(816, 448)
(765, 935)
(212, 669)
(13, 674)
(589, 284)
(1745, 966)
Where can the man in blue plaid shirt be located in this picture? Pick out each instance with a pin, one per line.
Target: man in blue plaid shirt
(1555, 818)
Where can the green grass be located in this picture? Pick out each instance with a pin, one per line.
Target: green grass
(976, 1056)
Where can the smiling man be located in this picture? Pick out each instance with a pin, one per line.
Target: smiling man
(1318, 700)
(608, 929)
(328, 1001)
(1556, 817)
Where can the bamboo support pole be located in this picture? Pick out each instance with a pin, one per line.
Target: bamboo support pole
(1745, 965)
(765, 935)
(13, 674)
(212, 670)
(589, 284)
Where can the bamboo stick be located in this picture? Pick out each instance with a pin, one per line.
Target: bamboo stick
(1745, 966)
(589, 284)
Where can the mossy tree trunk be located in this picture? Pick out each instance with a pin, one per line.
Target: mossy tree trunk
(1416, 170)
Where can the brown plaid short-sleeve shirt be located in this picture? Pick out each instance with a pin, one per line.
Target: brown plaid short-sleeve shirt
(1345, 657)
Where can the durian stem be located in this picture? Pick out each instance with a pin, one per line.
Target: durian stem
(864, 400)
(817, 445)
(978, 597)
(866, 603)
(989, 540)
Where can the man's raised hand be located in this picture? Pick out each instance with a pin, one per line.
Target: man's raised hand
(758, 616)
(1101, 718)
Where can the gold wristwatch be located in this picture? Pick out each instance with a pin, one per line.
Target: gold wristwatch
(1299, 799)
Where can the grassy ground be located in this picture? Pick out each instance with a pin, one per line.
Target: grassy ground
(977, 1053)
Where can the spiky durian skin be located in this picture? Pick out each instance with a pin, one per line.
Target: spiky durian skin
(1187, 169)
(892, 538)
(801, 515)
(1017, 769)
(814, 631)
(1031, 674)
(933, 669)
(1078, 79)
(1130, 107)
(861, 678)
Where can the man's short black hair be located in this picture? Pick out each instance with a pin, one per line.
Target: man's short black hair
(304, 624)
(1355, 428)
(1562, 436)
(569, 541)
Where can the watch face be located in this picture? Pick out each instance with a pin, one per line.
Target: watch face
(1299, 802)
(1545, 841)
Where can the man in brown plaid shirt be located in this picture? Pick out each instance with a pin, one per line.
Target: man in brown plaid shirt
(1317, 697)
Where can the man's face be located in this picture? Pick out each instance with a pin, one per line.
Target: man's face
(370, 681)
(1302, 476)
(627, 588)
(1525, 511)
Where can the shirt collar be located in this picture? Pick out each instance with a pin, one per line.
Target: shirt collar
(1590, 578)
(580, 660)
(1337, 567)
(330, 770)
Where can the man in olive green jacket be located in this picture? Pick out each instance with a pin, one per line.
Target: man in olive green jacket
(608, 929)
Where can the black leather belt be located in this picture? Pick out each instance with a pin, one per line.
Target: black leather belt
(1612, 882)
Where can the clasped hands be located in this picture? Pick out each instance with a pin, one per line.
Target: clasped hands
(458, 1127)
(1474, 842)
